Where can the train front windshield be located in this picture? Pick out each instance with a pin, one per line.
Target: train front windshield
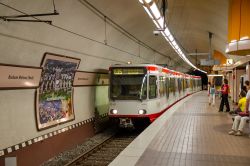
(128, 84)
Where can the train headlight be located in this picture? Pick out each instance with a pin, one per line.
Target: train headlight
(141, 112)
(113, 111)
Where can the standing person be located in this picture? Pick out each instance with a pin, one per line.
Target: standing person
(224, 96)
(212, 95)
(208, 88)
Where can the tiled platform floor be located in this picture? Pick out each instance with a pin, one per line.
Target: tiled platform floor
(197, 135)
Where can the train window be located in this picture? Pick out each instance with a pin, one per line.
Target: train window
(167, 86)
(183, 84)
(143, 94)
(172, 85)
(162, 87)
(128, 87)
(152, 87)
(179, 84)
(192, 83)
(176, 84)
(187, 83)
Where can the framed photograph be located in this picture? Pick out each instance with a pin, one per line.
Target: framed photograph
(54, 97)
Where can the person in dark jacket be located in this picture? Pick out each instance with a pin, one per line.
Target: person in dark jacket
(224, 96)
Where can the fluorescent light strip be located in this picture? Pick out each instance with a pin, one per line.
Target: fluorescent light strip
(170, 37)
(155, 11)
(181, 54)
(147, 1)
(161, 22)
(146, 9)
(174, 43)
(167, 32)
(155, 15)
(156, 23)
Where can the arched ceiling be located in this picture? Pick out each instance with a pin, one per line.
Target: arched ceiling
(189, 21)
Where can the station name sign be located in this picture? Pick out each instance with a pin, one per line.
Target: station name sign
(19, 77)
(83, 78)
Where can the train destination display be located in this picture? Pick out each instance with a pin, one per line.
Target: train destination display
(128, 71)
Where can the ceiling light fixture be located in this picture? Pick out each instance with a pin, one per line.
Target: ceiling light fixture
(215, 75)
(155, 14)
(244, 38)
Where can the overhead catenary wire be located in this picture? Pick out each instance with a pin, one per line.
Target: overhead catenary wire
(105, 30)
(69, 31)
(118, 27)
(77, 34)
(122, 30)
(54, 5)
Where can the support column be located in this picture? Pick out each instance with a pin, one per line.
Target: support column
(234, 85)
(248, 71)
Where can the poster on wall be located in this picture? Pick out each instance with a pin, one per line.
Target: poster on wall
(54, 103)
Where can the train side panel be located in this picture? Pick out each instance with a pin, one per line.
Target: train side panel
(156, 88)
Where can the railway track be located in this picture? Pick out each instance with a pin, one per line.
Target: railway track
(105, 152)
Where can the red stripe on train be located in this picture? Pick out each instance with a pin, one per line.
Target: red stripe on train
(151, 117)
(152, 68)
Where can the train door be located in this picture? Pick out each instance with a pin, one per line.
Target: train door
(153, 96)
(152, 87)
(162, 88)
(179, 81)
(167, 83)
(162, 91)
(183, 86)
(188, 85)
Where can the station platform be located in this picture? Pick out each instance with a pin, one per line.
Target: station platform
(190, 133)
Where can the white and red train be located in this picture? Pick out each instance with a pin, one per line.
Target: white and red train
(144, 92)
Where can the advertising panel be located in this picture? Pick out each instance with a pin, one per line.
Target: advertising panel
(54, 104)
